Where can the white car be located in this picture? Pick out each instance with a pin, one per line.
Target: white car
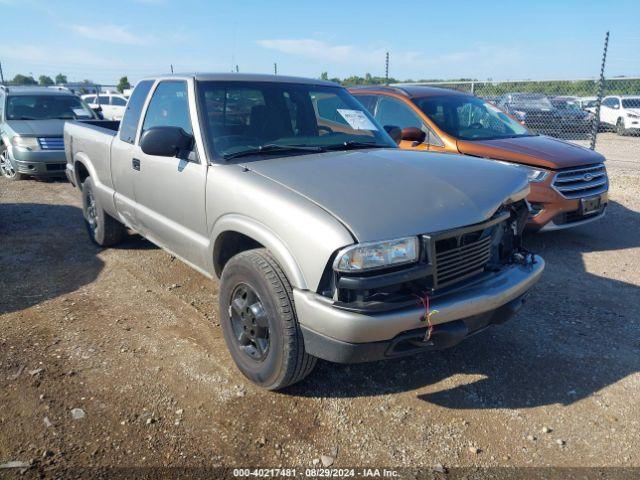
(621, 112)
(113, 105)
(587, 103)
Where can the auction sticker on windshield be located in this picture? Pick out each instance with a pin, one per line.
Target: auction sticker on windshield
(356, 119)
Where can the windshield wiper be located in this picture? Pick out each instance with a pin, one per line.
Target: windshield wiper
(272, 148)
(354, 145)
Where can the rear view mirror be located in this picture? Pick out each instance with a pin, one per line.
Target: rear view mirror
(166, 141)
(394, 132)
(413, 134)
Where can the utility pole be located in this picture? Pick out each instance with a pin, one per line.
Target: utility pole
(172, 69)
(1, 75)
(386, 70)
(237, 69)
(275, 68)
(596, 119)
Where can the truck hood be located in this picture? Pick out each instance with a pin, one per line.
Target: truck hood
(537, 150)
(390, 193)
(38, 128)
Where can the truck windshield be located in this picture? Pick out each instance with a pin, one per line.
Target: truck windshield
(631, 102)
(470, 118)
(47, 107)
(267, 118)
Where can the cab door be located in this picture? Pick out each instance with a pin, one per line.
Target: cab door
(170, 191)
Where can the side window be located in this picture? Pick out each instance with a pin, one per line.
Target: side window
(616, 103)
(104, 99)
(118, 102)
(129, 124)
(169, 107)
(394, 112)
(368, 102)
(607, 102)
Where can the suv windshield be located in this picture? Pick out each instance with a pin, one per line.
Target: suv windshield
(260, 118)
(470, 118)
(47, 107)
(631, 102)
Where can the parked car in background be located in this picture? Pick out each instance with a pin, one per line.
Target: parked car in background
(31, 126)
(534, 110)
(110, 105)
(329, 240)
(575, 122)
(569, 183)
(587, 103)
(621, 112)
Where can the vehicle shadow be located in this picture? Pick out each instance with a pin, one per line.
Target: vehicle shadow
(44, 253)
(578, 333)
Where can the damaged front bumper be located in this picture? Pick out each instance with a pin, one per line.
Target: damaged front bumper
(344, 336)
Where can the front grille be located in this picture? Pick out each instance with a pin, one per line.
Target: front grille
(582, 182)
(461, 256)
(51, 143)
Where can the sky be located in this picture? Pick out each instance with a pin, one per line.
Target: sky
(102, 41)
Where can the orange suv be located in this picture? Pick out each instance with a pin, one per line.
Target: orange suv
(569, 183)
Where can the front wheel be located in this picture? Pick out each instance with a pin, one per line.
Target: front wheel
(6, 167)
(620, 129)
(259, 321)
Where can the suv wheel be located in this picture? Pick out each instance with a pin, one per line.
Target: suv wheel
(259, 321)
(103, 229)
(6, 167)
(620, 127)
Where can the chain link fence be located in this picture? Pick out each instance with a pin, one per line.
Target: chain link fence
(565, 109)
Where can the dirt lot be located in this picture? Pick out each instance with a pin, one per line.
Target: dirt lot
(131, 336)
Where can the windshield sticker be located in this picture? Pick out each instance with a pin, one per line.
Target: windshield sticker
(81, 112)
(357, 119)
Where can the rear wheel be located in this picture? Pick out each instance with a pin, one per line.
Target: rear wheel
(6, 167)
(103, 229)
(259, 321)
(620, 129)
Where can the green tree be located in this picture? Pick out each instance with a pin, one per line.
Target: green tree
(20, 79)
(324, 76)
(61, 79)
(123, 84)
(45, 80)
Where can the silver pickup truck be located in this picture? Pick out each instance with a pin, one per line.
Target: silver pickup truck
(329, 241)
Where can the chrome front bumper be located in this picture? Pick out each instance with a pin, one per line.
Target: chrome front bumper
(316, 313)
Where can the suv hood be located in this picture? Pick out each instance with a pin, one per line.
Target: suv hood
(38, 128)
(383, 194)
(537, 150)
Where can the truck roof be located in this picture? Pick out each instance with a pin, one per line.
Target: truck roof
(244, 77)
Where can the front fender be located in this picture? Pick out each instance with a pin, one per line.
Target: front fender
(264, 235)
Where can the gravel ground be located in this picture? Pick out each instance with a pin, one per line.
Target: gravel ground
(116, 358)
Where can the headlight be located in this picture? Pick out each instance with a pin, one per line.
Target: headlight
(534, 175)
(28, 143)
(375, 255)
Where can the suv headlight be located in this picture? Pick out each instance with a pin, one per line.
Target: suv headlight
(534, 175)
(28, 143)
(376, 255)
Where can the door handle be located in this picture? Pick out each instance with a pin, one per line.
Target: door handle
(135, 163)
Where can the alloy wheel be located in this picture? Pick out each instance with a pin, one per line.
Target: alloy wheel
(6, 168)
(249, 322)
(91, 214)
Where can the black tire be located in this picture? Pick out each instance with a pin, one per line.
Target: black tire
(6, 167)
(103, 229)
(620, 129)
(284, 361)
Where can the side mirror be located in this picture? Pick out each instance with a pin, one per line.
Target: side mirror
(166, 141)
(97, 109)
(413, 134)
(394, 132)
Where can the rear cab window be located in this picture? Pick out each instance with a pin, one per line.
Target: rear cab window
(131, 119)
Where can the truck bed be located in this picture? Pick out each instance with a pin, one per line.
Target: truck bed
(110, 127)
